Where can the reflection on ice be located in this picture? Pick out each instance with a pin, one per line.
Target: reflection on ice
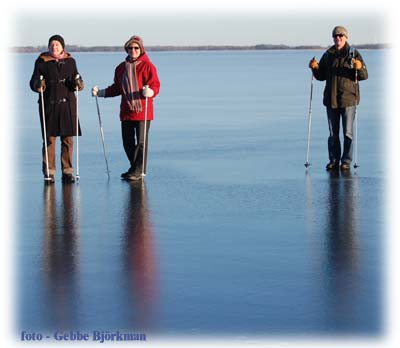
(63, 290)
(341, 276)
(226, 237)
(139, 262)
(61, 256)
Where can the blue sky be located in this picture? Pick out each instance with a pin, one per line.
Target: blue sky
(192, 23)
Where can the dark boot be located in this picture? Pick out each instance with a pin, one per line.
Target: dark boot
(133, 177)
(67, 179)
(49, 180)
(130, 171)
(345, 166)
(332, 165)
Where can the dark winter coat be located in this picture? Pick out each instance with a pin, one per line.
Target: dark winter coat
(59, 97)
(146, 75)
(341, 89)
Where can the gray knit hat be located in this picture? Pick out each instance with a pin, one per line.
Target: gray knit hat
(135, 39)
(340, 30)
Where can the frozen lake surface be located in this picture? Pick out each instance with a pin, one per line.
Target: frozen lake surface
(229, 235)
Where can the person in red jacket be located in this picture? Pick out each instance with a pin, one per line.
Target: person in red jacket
(136, 81)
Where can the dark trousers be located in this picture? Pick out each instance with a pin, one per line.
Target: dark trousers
(347, 114)
(67, 148)
(133, 141)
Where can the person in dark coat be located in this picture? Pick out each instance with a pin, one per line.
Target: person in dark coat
(55, 73)
(339, 67)
(136, 81)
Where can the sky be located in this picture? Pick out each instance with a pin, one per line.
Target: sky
(212, 23)
(192, 28)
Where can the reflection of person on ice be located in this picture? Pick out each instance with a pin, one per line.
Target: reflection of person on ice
(56, 78)
(341, 67)
(137, 82)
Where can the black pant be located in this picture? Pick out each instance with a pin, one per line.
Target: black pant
(133, 141)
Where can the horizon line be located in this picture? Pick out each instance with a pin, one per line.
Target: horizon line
(155, 48)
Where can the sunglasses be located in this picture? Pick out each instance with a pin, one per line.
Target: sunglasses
(336, 35)
(133, 48)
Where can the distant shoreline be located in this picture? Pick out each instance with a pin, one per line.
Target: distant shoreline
(261, 47)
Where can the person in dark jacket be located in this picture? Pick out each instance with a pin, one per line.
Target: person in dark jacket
(136, 81)
(55, 73)
(341, 66)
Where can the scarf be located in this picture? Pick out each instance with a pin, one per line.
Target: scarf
(130, 86)
(60, 56)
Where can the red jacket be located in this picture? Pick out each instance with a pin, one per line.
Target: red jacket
(146, 75)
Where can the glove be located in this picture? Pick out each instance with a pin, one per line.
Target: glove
(78, 82)
(40, 85)
(96, 92)
(147, 92)
(313, 64)
(357, 64)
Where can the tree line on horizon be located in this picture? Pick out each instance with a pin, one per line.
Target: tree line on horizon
(78, 48)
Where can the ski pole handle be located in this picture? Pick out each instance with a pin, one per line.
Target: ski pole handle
(77, 77)
(41, 78)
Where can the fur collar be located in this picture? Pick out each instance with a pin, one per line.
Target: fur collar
(46, 56)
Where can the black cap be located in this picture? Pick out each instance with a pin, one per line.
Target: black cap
(57, 38)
